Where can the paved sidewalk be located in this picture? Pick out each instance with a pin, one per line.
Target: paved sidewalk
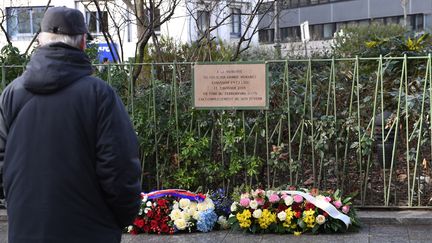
(378, 226)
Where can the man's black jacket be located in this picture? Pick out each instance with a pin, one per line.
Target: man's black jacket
(69, 153)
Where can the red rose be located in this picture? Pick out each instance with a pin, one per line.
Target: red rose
(146, 228)
(161, 202)
(325, 214)
(296, 207)
(282, 207)
(133, 232)
(165, 228)
(309, 206)
(297, 214)
(139, 223)
(154, 224)
(150, 213)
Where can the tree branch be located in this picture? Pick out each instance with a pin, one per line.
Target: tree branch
(37, 33)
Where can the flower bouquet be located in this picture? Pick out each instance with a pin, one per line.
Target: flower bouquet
(171, 211)
(292, 211)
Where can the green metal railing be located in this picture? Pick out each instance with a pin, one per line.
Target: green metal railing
(320, 130)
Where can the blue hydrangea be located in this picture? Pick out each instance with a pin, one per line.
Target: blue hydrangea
(207, 220)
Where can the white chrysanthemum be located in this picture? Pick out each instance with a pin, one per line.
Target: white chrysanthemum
(193, 206)
(282, 216)
(257, 213)
(253, 204)
(320, 219)
(233, 207)
(144, 199)
(149, 204)
(185, 215)
(209, 203)
(288, 200)
(175, 214)
(202, 206)
(196, 215)
(184, 203)
(146, 210)
(130, 228)
(180, 224)
(175, 205)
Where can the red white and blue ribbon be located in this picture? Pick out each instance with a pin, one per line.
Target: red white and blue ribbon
(175, 193)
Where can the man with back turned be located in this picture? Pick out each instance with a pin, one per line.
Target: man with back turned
(68, 152)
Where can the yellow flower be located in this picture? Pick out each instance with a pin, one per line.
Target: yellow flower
(266, 219)
(244, 218)
(289, 217)
(309, 218)
(297, 233)
(245, 223)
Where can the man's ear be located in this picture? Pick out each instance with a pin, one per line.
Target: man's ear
(83, 44)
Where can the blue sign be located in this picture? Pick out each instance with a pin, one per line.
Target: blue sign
(104, 52)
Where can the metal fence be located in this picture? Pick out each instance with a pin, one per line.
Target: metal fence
(357, 124)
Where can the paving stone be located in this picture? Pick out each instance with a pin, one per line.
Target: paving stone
(388, 230)
(388, 239)
(3, 232)
(420, 232)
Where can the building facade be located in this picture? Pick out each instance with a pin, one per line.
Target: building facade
(191, 19)
(325, 17)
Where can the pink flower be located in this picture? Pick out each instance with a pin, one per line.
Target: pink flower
(284, 195)
(260, 201)
(328, 199)
(298, 198)
(274, 198)
(345, 209)
(337, 204)
(245, 202)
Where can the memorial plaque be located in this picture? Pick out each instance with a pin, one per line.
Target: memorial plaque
(230, 86)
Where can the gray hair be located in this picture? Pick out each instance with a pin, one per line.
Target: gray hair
(46, 38)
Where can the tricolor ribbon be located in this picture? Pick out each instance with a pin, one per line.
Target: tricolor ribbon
(323, 205)
(175, 193)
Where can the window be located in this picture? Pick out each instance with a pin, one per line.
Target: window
(304, 2)
(235, 22)
(23, 23)
(416, 22)
(316, 32)
(203, 18)
(329, 30)
(289, 34)
(392, 20)
(97, 23)
(266, 35)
